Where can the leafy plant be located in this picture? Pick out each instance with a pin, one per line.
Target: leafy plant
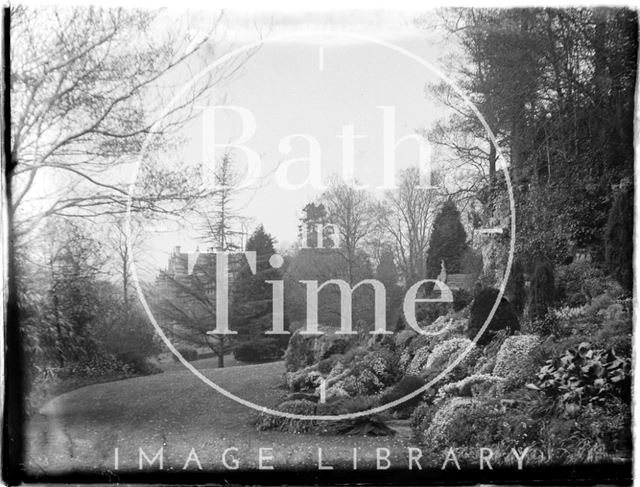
(369, 425)
(585, 376)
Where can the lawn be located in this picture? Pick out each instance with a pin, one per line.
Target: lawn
(80, 430)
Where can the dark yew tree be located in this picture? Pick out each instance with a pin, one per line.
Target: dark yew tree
(448, 241)
(252, 300)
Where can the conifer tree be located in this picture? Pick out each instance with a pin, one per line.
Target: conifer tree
(448, 241)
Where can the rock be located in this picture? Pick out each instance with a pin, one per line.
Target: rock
(299, 353)
(472, 385)
(514, 361)
(304, 350)
(403, 338)
(330, 344)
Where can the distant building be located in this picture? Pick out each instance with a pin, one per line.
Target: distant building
(187, 268)
(457, 281)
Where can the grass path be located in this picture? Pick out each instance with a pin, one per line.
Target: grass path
(79, 430)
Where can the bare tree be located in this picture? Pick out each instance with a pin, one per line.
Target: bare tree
(406, 215)
(350, 210)
(116, 241)
(88, 85)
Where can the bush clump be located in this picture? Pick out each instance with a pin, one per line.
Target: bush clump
(407, 385)
(301, 407)
(445, 354)
(514, 361)
(258, 351)
(504, 318)
(189, 354)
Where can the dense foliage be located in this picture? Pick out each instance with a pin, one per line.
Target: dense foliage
(619, 238)
(503, 319)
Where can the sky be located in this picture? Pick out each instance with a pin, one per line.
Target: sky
(315, 85)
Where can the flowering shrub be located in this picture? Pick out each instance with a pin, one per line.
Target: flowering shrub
(405, 360)
(445, 421)
(514, 361)
(419, 361)
(444, 354)
(549, 325)
(306, 379)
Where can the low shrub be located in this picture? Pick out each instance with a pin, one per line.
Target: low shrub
(406, 386)
(579, 282)
(549, 325)
(138, 364)
(266, 421)
(258, 351)
(189, 354)
(303, 380)
(421, 418)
